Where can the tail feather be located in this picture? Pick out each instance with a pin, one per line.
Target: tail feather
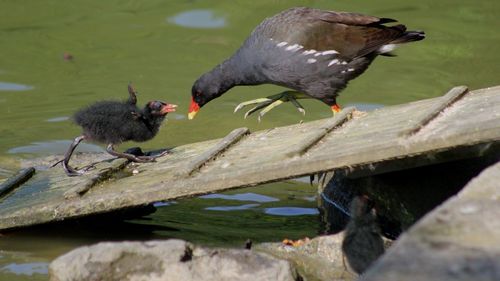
(409, 36)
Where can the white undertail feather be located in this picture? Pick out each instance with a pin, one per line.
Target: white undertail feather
(386, 48)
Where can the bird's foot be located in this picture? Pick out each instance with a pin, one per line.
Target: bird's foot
(151, 158)
(72, 172)
(266, 104)
(88, 168)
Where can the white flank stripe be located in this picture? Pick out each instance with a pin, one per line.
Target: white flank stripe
(335, 61)
(344, 62)
(308, 52)
(350, 69)
(294, 48)
(311, 60)
(329, 52)
(281, 44)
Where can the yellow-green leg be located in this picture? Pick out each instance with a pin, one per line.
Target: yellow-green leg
(266, 104)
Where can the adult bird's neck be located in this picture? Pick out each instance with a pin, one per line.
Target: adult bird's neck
(234, 71)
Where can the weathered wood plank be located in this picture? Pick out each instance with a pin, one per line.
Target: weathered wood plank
(469, 124)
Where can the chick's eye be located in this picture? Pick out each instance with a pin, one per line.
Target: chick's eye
(155, 105)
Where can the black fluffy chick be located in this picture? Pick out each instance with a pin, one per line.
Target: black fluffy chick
(114, 122)
(363, 242)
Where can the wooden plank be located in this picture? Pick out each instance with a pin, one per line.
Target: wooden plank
(261, 157)
(15, 181)
(210, 154)
(448, 99)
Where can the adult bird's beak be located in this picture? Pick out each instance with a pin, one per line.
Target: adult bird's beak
(168, 107)
(193, 109)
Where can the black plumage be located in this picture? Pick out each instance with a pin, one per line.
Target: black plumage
(311, 51)
(363, 242)
(114, 122)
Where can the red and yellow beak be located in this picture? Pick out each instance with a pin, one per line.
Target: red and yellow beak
(168, 107)
(193, 109)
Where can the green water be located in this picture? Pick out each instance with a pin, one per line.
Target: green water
(163, 46)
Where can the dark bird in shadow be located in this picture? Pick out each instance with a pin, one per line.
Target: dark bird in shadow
(362, 243)
(114, 122)
(313, 52)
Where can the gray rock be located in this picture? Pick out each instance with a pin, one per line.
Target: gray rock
(166, 260)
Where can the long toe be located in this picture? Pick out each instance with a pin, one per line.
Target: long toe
(144, 159)
(88, 168)
(74, 173)
(258, 107)
(268, 108)
(299, 107)
(251, 102)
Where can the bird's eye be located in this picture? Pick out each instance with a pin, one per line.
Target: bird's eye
(155, 105)
(198, 93)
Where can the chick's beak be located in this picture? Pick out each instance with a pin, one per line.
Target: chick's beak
(168, 107)
(193, 109)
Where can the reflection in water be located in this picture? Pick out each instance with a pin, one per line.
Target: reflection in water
(163, 204)
(291, 211)
(26, 268)
(54, 147)
(6, 86)
(198, 19)
(58, 119)
(241, 197)
(188, 219)
(232, 208)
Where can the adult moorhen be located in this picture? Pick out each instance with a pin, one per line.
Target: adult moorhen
(313, 52)
(114, 122)
(362, 243)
